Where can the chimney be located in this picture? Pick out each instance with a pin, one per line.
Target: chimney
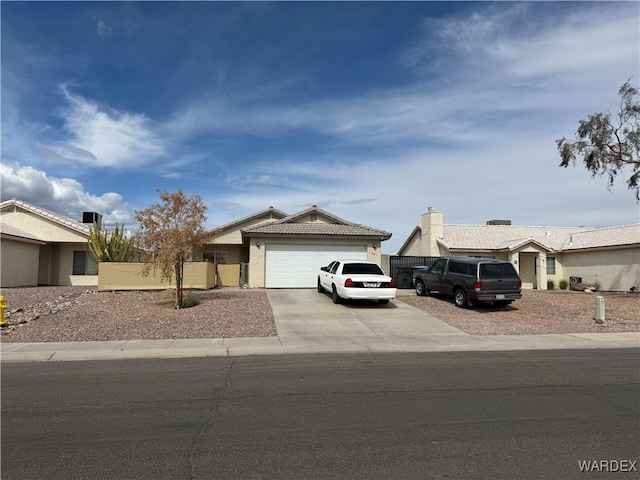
(91, 218)
(432, 229)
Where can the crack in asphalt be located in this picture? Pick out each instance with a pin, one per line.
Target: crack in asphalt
(228, 384)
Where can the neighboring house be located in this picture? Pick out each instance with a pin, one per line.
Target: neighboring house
(285, 251)
(40, 247)
(609, 256)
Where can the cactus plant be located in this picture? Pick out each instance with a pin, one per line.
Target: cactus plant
(105, 246)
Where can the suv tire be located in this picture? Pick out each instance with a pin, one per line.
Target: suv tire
(460, 298)
(421, 291)
(320, 289)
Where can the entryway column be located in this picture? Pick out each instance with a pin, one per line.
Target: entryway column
(541, 271)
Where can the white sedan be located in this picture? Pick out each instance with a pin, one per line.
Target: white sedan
(356, 279)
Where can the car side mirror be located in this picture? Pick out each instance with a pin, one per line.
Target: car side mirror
(324, 269)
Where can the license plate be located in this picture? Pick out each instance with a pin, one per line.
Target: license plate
(499, 297)
(371, 285)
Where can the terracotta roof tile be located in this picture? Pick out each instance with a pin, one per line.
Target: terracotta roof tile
(56, 217)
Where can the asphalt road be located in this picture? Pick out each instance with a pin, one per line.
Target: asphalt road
(502, 415)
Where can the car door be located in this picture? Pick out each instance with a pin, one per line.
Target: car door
(330, 275)
(455, 273)
(325, 275)
(433, 277)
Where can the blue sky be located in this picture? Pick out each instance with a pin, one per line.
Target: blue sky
(371, 110)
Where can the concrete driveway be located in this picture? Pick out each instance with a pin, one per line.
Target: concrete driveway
(306, 314)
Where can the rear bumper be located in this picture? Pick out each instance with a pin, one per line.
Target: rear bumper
(367, 293)
(491, 297)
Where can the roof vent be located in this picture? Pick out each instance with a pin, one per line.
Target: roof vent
(91, 218)
(498, 222)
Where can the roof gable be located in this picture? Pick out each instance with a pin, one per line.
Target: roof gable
(48, 216)
(315, 221)
(268, 214)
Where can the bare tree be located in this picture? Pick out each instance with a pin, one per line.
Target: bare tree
(169, 233)
(606, 147)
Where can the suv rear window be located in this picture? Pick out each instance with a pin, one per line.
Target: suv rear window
(361, 268)
(497, 270)
(463, 268)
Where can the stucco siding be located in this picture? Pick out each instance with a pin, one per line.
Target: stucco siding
(64, 274)
(616, 270)
(19, 264)
(41, 228)
(414, 247)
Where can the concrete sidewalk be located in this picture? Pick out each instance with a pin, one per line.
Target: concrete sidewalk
(443, 342)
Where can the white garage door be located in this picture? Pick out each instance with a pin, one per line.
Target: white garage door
(291, 266)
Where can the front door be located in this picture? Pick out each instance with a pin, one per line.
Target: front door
(528, 270)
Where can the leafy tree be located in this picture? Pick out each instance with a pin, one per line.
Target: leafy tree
(169, 233)
(105, 246)
(606, 147)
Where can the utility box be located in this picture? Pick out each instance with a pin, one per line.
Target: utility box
(574, 280)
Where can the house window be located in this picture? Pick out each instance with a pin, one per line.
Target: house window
(551, 265)
(221, 257)
(216, 257)
(83, 264)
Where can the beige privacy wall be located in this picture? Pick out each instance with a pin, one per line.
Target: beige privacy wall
(127, 276)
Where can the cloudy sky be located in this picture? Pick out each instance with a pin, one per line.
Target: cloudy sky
(371, 110)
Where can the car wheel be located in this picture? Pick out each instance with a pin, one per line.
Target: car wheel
(383, 302)
(460, 298)
(320, 289)
(420, 289)
(334, 295)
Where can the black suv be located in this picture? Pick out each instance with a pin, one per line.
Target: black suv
(470, 280)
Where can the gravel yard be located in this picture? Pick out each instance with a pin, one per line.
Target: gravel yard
(81, 314)
(537, 312)
(61, 314)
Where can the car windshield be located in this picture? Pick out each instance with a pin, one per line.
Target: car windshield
(361, 268)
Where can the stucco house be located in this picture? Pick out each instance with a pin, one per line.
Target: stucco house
(286, 251)
(609, 256)
(40, 247)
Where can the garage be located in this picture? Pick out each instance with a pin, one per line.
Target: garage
(297, 265)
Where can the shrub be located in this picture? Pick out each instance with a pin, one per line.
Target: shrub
(551, 284)
(190, 301)
(564, 284)
(597, 286)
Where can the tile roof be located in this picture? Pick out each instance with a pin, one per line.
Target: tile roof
(56, 217)
(604, 237)
(511, 237)
(336, 226)
(501, 237)
(274, 212)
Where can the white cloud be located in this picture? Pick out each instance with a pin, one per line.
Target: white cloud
(103, 30)
(250, 180)
(61, 195)
(101, 138)
(501, 60)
